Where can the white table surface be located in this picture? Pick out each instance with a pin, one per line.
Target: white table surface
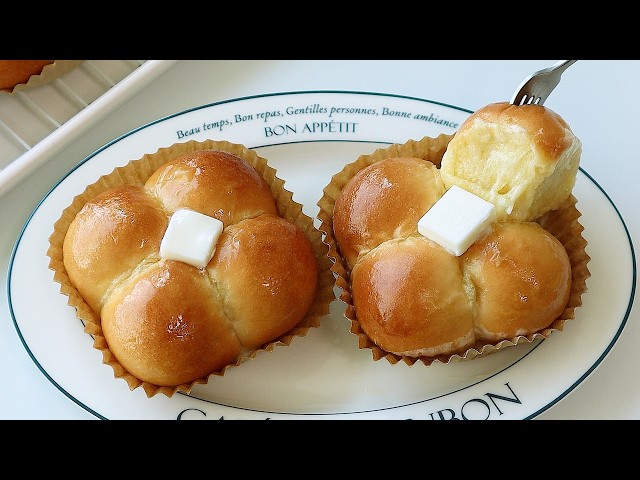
(597, 98)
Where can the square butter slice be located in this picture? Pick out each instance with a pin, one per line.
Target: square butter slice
(191, 237)
(457, 220)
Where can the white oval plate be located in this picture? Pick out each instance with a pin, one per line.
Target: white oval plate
(323, 375)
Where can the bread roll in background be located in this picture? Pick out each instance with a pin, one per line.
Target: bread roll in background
(15, 72)
(522, 158)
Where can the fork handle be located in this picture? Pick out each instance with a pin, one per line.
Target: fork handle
(562, 65)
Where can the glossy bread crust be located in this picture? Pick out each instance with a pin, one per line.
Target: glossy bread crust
(167, 322)
(382, 201)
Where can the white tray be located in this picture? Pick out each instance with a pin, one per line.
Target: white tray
(36, 123)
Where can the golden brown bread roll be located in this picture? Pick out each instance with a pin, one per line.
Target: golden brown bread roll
(109, 238)
(384, 200)
(523, 159)
(215, 183)
(519, 277)
(265, 273)
(166, 327)
(15, 72)
(410, 298)
(168, 322)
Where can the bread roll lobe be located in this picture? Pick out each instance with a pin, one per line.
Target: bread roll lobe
(410, 298)
(523, 159)
(522, 279)
(166, 327)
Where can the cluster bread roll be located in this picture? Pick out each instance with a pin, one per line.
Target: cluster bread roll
(408, 297)
(166, 322)
(415, 298)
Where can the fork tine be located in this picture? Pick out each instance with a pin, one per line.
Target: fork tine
(526, 99)
(520, 95)
(519, 99)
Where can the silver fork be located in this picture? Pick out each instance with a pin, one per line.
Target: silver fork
(535, 89)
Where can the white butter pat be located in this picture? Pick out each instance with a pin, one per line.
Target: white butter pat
(191, 237)
(457, 220)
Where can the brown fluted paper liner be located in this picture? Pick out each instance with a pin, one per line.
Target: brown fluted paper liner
(48, 74)
(136, 173)
(562, 223)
